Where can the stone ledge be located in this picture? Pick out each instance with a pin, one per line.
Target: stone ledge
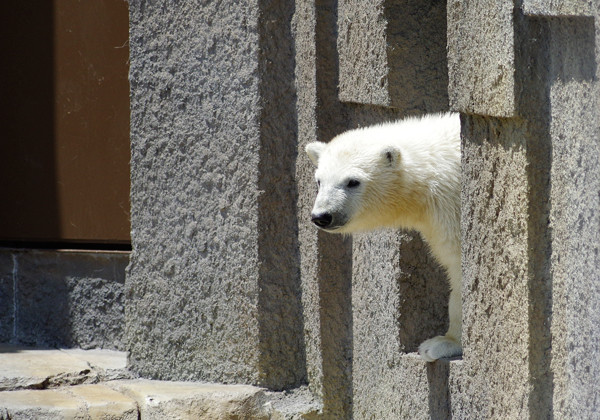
(157, 400)
(74, 383)
(34, 368)
(179, 400)
(83, 401)
(560, 9)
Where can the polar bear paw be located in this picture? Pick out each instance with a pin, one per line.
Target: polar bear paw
(439, 347)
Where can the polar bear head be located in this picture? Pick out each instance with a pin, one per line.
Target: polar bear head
(362, 183)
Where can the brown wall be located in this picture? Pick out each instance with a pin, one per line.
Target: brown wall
(64, 153)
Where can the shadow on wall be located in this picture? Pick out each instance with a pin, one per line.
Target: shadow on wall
(63, 299)
(281, 326)
(558, 52)
(27, 148)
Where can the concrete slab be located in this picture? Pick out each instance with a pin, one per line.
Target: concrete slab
(188, 400)
(74, 375)
(22, 367)
(39, 404)
(33, 368)
(104, 403)
(85, 401)
(99, 358)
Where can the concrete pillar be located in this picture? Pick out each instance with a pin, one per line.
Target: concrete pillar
(368, 305)
(393, 54)
(571, 46)
(526, 78)
(325, 259)
(213, 286)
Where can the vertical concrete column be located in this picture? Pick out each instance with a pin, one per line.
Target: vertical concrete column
(495, 270)
(495, 211)
(481, 57)
(530, 206)
(572, 39)
(325, 259)
(213, 286)
(392, 63)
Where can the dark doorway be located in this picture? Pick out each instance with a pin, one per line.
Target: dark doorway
(64, 149)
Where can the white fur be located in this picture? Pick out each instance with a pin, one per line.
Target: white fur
(409, 176)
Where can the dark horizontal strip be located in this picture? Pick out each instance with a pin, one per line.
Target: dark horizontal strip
(92, 246)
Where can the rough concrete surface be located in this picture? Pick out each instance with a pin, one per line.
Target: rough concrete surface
(393, 54)
(559, 8)
(530, 237)
(146, 399)
(321, 346)
(159, 400)
(481, 57)
(362, 48)
(63, 298)
(83, 401)
(213, 286)
(75, 383)
(50, 404)
(23, 368)
(298, 403)
(194, 169)
(495, 269)
(574, 216)
(104, 403)
(396, 304)
(406, 387)
(36, 368)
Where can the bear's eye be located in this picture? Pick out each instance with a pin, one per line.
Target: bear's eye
(353, 183)
(318, 184)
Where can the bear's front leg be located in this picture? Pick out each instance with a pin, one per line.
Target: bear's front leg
(439, 347)
(448, 345)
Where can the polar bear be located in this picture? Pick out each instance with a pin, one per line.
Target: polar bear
(403, 174)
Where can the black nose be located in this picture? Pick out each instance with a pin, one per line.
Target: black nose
(322, 220)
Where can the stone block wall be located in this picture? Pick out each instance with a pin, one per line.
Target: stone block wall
(530, 204)
(62, 298)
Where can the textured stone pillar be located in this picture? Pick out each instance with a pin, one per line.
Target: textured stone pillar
(571, 45)
(530, 206)
(500, 220)
(393, 54)
(213, 285)
(325, 259)
(398, 293)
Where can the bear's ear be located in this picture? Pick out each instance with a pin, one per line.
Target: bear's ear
(314, 151)
(390, 156)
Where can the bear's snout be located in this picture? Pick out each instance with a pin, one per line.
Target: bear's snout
(322, 220)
